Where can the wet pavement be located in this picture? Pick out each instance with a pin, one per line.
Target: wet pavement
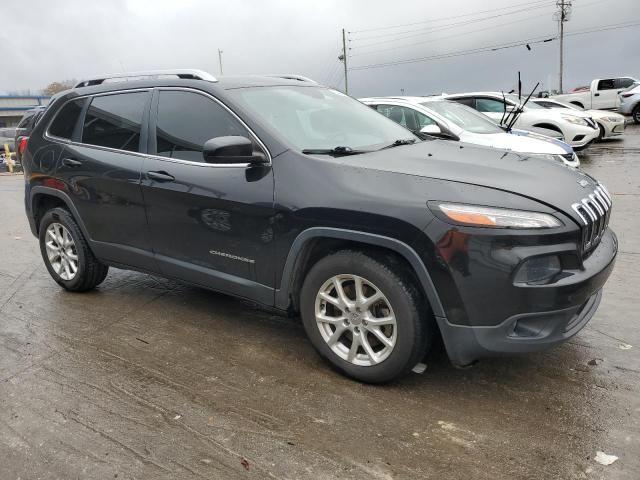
(150, 379)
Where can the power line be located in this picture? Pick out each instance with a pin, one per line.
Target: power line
(490, 48)
(448, 18)
(422, 31)
(448, 36)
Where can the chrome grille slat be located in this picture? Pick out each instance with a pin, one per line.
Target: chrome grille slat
(594, 211)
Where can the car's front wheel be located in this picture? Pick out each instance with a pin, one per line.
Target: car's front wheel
(66, 253)
(365, 316)
(636, 114)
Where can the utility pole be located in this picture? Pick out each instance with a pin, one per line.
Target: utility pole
(564, 8)
(220, 60)
(343, 58)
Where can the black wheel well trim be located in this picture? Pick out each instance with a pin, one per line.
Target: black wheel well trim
(549, 126)
(52, 192)
(409, 254)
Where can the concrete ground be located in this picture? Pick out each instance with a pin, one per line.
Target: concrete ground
(149, 379)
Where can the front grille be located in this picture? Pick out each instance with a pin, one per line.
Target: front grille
(594, 211)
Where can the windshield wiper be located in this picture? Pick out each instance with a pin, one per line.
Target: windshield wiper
(400, 142)
(333, 151)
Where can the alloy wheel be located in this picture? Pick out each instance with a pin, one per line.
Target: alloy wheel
(61, 251)
(356, 320)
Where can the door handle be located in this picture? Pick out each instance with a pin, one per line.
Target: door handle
(596, 94)
(161, 176)
(71, 162)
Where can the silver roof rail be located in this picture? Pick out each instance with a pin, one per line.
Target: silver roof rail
(288, 76)
(191, 74)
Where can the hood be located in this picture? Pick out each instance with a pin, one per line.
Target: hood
(604, 113)
(539, 179)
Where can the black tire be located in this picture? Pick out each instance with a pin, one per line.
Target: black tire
(415, 325)
(636, 114)
(91, 272)
(601, 134)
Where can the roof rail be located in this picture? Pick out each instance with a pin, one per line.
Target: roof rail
(288, 76)
(191, 74)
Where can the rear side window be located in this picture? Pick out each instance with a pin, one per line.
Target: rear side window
(67, 119)
(489, 105)
(624, 82)
(468, 101)
(115, 121)
(608, 84)
(187, 120)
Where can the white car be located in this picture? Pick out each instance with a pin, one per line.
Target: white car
(601, 94)
(450, 120)
(577, 131)
(610, 124)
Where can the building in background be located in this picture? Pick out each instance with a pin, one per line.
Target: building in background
(12, 107)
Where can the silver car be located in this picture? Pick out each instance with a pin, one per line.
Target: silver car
(630, 102)
(451, 120)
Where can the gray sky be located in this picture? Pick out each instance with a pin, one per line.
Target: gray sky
(46, 41)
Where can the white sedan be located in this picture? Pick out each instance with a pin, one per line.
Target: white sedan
(610, 124)
(577, 131)
(450, 120)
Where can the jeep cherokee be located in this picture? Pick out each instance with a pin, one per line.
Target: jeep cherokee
(298, 197)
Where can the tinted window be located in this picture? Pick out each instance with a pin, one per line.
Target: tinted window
(187, 120)
(114, 121)
(469, 102)
(608, 84)
(624, 82)
(407, 117)
(489, 105)
(25, 120)
(66, 119)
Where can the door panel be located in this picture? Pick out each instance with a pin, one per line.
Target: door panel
(104, 181)
(210, 224)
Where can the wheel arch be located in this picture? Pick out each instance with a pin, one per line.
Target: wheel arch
(43, 198)
(300, 259)
(578, 104)
(549, 126)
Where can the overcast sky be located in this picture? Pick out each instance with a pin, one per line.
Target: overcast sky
(44, 41)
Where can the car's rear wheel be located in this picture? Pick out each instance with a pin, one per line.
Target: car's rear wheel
(66, 253)
(636, 114)
(365, 316)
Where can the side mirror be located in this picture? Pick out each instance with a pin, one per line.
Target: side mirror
(231, 149)
(432, 129)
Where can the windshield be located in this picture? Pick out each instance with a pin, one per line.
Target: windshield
(316, 118)
(514, 98)
(464, 117)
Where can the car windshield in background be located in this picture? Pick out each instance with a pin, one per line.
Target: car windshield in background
(464, 117)
(517, 100)
(318, 118)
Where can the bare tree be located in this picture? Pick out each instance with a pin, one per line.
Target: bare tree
(56, 87)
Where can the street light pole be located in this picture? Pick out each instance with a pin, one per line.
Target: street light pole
(220, 60)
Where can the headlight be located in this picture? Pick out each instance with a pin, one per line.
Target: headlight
(497, 217)
(612, 119)
(574, 120)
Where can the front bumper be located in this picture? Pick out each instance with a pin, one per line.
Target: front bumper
(612, 129)
(577, 297)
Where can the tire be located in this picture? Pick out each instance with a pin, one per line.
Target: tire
(411, 334)
(578, 104)
(601, 134)
(636, 114)
(58, 228)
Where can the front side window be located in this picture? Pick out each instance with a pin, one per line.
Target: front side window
(66, 120)
(320, 118)
(114, 121)
(464, 117)
(624, 82)
(186, 120)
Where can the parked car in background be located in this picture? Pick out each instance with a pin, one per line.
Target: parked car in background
(576, 130)
(630, 102)
(24, 129)
(602, 94)
(611, 124)
(299, 197)
(451, 120)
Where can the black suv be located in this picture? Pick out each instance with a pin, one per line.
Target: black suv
(299, 197)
